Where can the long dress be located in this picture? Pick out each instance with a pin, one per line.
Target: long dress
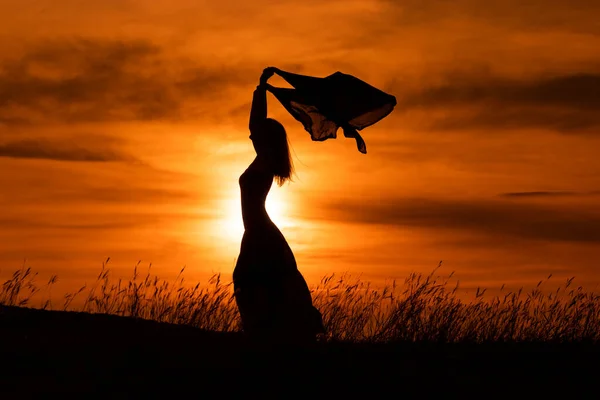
(272, 296)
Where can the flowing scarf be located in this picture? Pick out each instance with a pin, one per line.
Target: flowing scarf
(323, 105)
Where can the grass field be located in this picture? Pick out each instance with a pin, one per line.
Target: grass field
(423, 308)
(127, 335)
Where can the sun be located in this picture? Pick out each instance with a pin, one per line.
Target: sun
(277, 208)
(231, 224)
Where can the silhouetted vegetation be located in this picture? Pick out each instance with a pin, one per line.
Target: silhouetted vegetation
(424, 308)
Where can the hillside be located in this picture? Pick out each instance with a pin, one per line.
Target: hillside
(46, 351)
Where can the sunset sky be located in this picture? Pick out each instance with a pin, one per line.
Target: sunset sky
(124, 129)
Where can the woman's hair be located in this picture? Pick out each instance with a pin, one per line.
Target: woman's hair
(278, 150)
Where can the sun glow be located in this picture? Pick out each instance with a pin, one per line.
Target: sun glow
(232, 225)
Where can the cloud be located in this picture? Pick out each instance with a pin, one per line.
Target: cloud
(573, 16)
(579, 91)
(566, 103)
(74, 81)
(29, 224)
(97, 220)
(492, 218)
(547, 194)
(104, 80)
(59, 151)
(127, 195)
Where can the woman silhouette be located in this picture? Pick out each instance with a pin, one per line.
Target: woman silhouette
(272, 296)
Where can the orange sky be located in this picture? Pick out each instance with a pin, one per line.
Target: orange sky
(123, 130)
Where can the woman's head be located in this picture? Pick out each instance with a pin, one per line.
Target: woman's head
(270, 142)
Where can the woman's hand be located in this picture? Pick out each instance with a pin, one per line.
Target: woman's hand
(267, 73)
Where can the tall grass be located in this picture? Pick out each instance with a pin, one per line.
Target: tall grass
(423, 308)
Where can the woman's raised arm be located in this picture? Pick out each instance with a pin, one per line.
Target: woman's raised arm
(258, 112)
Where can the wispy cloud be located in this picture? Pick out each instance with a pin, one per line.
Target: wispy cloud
(574, 16)
(60, 151)
(493, 218)
(566, 103)
(548, 194)
(28, 224)
(580, 91)
(127, 195)
(107, 80)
